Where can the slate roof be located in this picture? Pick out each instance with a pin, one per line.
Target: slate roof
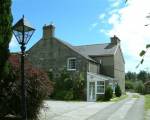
(92, 50)
(75, 49)
(97, 49)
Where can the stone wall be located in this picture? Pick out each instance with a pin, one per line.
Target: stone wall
(119, 69)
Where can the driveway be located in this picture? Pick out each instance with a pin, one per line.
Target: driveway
(127, 109)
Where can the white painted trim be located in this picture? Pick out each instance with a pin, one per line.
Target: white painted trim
(68, 63)
(92, 77)
(100, 76)
(100, 85)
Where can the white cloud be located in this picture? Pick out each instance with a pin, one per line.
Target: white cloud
(93, 26)
(116, 3)
(128, 24)
(114, 20)
(102, 16)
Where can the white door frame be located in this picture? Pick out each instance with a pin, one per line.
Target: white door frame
(91, 91)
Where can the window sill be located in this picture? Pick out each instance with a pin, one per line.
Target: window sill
(71, 69)
(100, 93)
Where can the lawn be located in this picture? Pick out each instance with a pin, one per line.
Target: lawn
(147, 107)
(147, 102)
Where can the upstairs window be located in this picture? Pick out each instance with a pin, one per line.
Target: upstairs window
(71, 65)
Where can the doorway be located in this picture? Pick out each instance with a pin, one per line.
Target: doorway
(92, 96)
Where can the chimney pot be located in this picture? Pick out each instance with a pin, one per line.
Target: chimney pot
(115, 40)
(48, 31)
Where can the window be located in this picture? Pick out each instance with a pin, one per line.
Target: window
(71, 65)
(100, 87)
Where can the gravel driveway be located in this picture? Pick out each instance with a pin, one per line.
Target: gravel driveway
(127, 109)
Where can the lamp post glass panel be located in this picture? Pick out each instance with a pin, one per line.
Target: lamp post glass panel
(23, 31)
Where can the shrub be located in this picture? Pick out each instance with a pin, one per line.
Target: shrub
(129, 85)
(108, 93)
(78, 87)
(68, 87)
(59, 95)
(69, 95)
(117, 91)
(100, 97)
(38, 88)
(139, 87)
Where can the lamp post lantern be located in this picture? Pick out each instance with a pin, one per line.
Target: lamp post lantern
(23, 31)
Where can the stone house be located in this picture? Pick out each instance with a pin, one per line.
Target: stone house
(100, 64)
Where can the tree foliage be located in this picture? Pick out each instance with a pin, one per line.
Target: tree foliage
(68, 87)
(129, 85)
(136, 84)
(141, 76)
(130, 76)
(38, 87)
(5, 36)
(139, 87)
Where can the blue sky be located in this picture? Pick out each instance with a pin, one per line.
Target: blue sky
(89, 22)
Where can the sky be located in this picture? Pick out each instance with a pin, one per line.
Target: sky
(81, 22)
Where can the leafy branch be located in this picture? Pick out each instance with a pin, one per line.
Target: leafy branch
(142, 54)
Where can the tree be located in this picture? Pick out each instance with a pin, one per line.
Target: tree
(130, 76)
(117, 91)
(129, 85)
(139, 87)
(5, 36)
(143, 75)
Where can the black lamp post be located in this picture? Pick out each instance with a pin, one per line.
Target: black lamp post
(23, 32)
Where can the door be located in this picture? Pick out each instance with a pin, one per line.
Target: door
(92, 96)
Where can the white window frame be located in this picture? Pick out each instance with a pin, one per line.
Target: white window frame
(70, 69)
(100, 86)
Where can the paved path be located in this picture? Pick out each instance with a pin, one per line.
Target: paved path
(127, 109)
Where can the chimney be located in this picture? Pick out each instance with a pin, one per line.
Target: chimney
(115, 40)
(48, 31)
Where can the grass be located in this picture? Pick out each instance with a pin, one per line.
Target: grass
(117, 99)
(147, 107)
(147, 102)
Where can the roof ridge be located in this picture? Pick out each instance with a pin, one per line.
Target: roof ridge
(91, 44)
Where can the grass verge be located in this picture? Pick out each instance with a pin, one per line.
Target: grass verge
(147, 107)
(147, 102)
